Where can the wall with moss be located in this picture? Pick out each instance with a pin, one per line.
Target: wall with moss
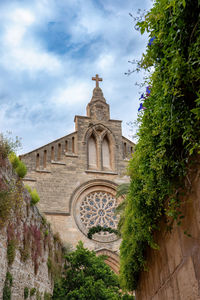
(30, 255)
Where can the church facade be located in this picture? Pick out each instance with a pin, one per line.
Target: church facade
(76, 177)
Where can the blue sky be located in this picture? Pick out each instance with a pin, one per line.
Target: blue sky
(49, 51)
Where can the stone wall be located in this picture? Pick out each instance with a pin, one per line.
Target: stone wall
(27, 239)
(174, 270)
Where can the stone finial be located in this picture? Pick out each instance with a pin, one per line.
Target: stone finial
(97, 94)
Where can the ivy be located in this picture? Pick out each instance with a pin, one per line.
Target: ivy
(168, 135)
(7, 287)
(98, 228)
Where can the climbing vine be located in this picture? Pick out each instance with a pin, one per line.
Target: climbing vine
(98, 228)
(168, 136)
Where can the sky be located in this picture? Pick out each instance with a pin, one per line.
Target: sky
(50, 49)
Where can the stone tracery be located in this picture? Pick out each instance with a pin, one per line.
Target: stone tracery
(98, 208)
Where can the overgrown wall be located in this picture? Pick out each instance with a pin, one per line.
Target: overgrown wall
(174, 270)
(28, 249)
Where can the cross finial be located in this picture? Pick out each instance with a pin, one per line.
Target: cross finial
(97, 79)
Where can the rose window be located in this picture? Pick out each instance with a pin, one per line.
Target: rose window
(98, 208)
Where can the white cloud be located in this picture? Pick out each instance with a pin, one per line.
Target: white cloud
(20, 51)
(75, 93)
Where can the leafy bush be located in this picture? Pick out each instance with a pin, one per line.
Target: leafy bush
(34, 195)
(87, 277)
(21, 169)
(18, 165)
(169, 129)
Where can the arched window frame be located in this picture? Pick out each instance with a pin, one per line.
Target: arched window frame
(94, 136)
(99, 131)
(111, 145)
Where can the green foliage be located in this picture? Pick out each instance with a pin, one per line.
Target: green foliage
(7, 287)
(169, 129)
(11, 250)
(26, 292)
(98, 228)
(7, 145)
(47, 296)
(6, 203)
(34, 195)
(87, 277)
(46, 232)
(18, 165)
(32, 292)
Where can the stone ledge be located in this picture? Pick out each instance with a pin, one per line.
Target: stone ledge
(52, 213)
(29, 179)
(71, 155)
(42, 171)
(53, 162)
(101, 172)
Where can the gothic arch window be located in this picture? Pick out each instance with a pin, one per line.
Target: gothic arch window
(106, 154)
(125, 150)
(59, 151)
(37, 161)
(45, 159)
(73, 145)
(92, 152)
(52, 153)
(66, 146)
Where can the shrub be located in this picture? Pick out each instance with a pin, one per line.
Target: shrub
(7, 287)
(14, 159)
(18, 165)
(34, 195)
(21, 169)
(32, 291)
(26, 292)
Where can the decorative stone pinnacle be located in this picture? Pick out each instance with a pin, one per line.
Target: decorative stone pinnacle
(97, 79)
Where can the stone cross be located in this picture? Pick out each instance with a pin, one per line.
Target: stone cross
(97, 79)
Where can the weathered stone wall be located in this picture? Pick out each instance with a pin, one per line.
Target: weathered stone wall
(26, 233)
(174, 270)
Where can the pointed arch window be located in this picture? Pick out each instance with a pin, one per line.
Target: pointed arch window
(106, 155)
(92, 153)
